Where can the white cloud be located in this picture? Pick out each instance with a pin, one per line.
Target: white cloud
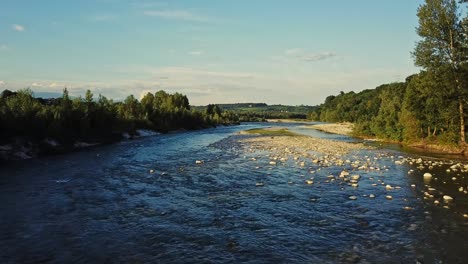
(18, 28)
(196, 53)
(293, 51)
(2, 83)
(176, 15)
(211, 84)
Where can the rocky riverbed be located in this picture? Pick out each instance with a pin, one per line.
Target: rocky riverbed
(322, 161)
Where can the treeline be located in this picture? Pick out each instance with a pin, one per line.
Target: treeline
(428, 107)
(258, 112)
(404, 111)
(100, 119)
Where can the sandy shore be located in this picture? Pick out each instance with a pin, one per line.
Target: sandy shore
(335, 128)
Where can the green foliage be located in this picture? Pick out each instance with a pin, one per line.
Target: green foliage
(443, 53)
(422, 108)
(67, 120)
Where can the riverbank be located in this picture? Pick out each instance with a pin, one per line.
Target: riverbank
(347, 130)
(22, 148)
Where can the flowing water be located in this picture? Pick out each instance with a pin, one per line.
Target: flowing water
(147, 201)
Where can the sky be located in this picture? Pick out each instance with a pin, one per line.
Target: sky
(214, 51)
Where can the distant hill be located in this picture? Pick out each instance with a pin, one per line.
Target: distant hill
(261, 111)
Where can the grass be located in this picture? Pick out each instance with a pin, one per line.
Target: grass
(271, 132)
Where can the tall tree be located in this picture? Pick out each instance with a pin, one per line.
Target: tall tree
(443, 48)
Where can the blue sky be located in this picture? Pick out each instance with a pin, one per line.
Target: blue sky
(278, 52)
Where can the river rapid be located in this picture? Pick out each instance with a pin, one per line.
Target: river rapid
(148, 201)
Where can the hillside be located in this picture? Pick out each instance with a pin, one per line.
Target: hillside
(262, 111)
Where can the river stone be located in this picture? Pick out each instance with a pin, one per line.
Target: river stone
(447, 198)
(427, 175)
(389, 197)
(371, 195)
(352, 197)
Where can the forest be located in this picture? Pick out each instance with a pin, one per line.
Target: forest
(429, 107)
(68, 120)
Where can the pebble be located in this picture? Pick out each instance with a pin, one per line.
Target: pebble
(259, 184)
(352, 197)
(199, 162)
(413, 185)
(389, 197)
(272, 162)
(151, 171)
(371, 195)
(427, 175)
(389, 187)
(309, 181)
(447, 198)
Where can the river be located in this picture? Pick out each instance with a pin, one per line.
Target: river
(147, 201)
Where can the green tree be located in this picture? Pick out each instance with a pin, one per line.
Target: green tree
(443, 48)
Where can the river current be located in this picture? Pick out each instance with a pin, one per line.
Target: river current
(148, 201)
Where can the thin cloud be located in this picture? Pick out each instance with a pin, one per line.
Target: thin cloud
(307, 56)
(317, 56)
(18, 28)
(176, 15)
(2, 83)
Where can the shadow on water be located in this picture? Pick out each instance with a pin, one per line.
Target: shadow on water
(147, 200)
